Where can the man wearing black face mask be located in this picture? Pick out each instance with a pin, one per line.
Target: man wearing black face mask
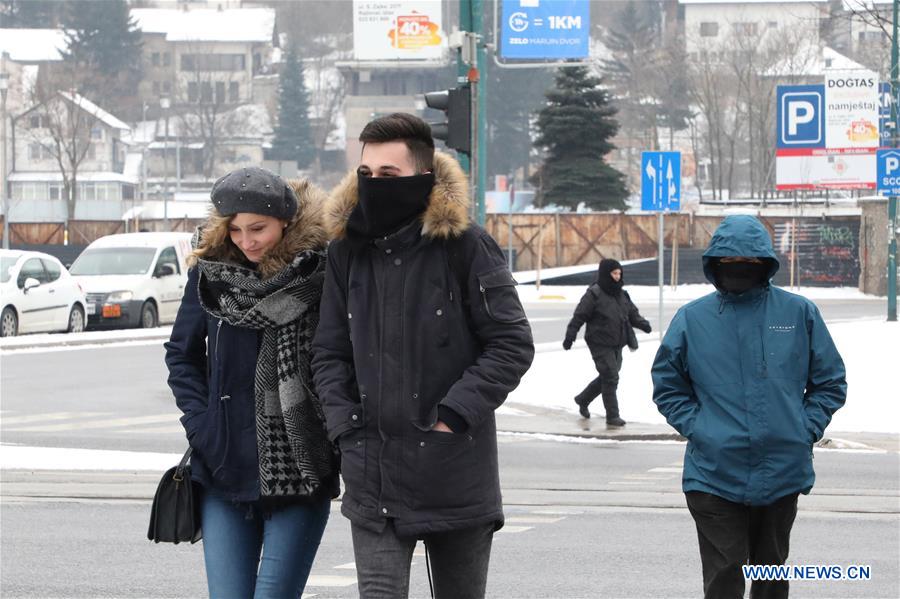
(750, 376)
(610, 315)
(421, 337)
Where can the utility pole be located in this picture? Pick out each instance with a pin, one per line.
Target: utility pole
(471, 20)
(892, 201)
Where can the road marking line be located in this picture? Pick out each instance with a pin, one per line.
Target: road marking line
(534, 519)
(644, 477)
(627, 482)
(327, 580)
(347, 566)
(308, 595)
(94, 424)
(49, 417)
(151, 430)
(669, 470)
(514, 529)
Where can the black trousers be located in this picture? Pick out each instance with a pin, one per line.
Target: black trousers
(459, 562)
(608, 362)
(732, 535)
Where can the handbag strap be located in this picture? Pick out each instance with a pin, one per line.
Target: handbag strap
(179, 471)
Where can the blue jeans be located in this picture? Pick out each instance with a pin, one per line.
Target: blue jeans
(235, 535)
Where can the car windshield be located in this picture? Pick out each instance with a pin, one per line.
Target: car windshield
(5, 265)
(113, 261)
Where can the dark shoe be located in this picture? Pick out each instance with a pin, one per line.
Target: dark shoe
(615, 421)
(583, 408)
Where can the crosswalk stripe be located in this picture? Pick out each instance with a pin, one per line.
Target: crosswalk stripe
(347, 566)
(156, 430)
(666, 469)
(95, 424)
(49, 417)
(514, 529)
(533, 520)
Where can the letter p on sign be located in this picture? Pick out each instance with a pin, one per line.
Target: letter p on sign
(800, 112)
(890, 164)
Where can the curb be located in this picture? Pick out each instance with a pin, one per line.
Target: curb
(13, 347)
(602, 436)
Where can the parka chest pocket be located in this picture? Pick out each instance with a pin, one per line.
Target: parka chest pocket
(498, 292)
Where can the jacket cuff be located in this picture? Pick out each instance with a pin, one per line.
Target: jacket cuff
(449, 417)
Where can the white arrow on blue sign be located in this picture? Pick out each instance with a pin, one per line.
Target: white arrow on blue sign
(888, 171)
(660, 181)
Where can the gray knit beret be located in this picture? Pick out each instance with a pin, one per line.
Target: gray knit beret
(254, 190)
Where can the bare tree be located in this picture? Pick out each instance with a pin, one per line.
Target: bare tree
(64, 122)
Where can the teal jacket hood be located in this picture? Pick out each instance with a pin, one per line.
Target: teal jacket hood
(740, 235)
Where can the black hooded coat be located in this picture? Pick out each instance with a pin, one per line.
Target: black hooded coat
(608, 311)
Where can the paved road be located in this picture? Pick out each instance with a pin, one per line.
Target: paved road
(584, 520)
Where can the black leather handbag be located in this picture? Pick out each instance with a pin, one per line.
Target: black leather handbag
(175, 514)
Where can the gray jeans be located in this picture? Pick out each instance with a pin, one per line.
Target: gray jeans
(459, 562)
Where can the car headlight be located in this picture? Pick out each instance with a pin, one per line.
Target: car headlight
(120, 296)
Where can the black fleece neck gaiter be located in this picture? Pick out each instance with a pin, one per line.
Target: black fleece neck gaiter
(738, 277)
(386, 204)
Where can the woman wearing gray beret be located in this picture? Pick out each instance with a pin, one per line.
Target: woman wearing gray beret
(239, 367)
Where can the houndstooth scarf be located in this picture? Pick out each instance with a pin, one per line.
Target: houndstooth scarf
(295, 456)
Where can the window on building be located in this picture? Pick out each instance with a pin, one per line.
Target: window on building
(206, 92)
(38, 121)
(55, 191)
(709, 29)
(213, 62)
(167, 87)
(97, 133)
(193, 95)
(220, 92)
(155, 59)
(167, 59)
(257, 62)
(773, 24)
(871, 37)
(156, 88)
(234, 92)
(127, 192)
(746, 29)
(88, 192)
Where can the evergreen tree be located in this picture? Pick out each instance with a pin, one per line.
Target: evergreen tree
(30, 14)
(104, 38)
(293, 134)
(575, 129)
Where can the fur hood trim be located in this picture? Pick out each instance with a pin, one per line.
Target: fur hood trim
(447, 215)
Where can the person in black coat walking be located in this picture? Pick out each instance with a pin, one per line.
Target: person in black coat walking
(422, 336)
(610, 315)
(239, 367)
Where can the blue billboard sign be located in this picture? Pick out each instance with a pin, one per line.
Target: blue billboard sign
(884, 113)
(545, 29)
(660, 181)
(801, 116)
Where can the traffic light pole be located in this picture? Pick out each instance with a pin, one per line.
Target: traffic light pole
(471, 19)
(892, 201)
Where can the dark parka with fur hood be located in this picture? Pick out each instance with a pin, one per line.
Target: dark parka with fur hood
(398, 336)
(212, 365)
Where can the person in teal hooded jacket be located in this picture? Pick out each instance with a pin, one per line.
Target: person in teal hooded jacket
(751, 377)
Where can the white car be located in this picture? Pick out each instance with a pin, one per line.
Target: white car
(38, 295)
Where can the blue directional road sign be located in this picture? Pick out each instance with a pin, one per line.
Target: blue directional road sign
(888, 171)
(660, 181)
(801, 116)
(545, 29)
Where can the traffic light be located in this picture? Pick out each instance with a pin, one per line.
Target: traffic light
(456, 131)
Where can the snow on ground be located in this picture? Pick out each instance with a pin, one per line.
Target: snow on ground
(682, 294)
(83, 339)
(869, 349)
(64, 458)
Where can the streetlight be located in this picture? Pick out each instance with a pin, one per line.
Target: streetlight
(4, 89)
(165, 103)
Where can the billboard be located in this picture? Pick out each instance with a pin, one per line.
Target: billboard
(827, 134)
(399, 30)
(545, 29)
(851, 109)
